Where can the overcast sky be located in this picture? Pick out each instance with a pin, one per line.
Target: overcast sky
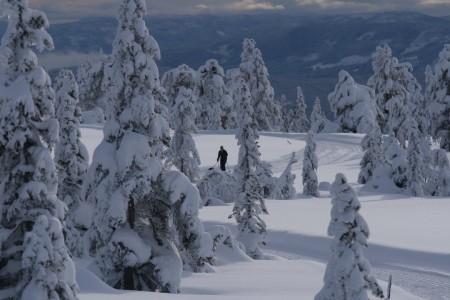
(73, 9)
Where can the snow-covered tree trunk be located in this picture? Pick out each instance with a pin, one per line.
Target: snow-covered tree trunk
(71, 159)
(348, 274)
(34, 261)
(249, 204)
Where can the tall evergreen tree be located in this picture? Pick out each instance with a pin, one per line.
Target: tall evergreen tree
(285, 117)
(143, 211)
(253, 70)
(284, 186)
(373, 156)
(34, 261)
(439, 101)
(414, 177)
(182, 152)
(317, 117)
(299, 121)
(348, 274)
(396, 159)
(90, 76)
(249, 204)
(175, 79)
(385, 84)
(213, 97)
(353, 105)
(439, 182)
(310, 164)
(71, 158)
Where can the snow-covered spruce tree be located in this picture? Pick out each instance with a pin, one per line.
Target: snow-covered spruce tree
(284, 185)
(71, 159)
(317, 117)
(253, 70)
(396, 159)
(385, 84)
(183, 153)
(249, 204)
(439, 183)
(215, 107)
(373, 156)
(348, 274)
(439, 101)
(285, 117)
(264, 172)
(34, 261)
(414, 177)
(299, 121)
(134, 236)
(353, 105)
(89, 77)
(173, 80)
(415, 100)
(310, 164)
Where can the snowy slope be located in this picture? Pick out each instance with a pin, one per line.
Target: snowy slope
(409, 236)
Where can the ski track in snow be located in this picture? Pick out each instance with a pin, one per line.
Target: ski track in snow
(418, 280)
(428, 284)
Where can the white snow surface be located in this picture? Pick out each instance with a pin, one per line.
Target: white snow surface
(409, 236)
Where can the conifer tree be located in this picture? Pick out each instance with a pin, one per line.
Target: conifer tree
(348, 274)
(299, 121)
(175, 79)
(182, 152)
(285, 117)
(284, 186)
(134, 236)
(90, 76)
(396, 159)
(34, 261)
(310, 164)
(213, 96)
(385, 84)
(414, 177)
(264, 172)
(439, 182)
(353, 105)
(317, 117)
(373, 155)
(71, 158)
(253, 70)
(249, 204)
(439, 101)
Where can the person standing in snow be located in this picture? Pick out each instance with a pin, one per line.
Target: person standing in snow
(223, 155)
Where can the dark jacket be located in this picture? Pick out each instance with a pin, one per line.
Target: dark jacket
(223, 154)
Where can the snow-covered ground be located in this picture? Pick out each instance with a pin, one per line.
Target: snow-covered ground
(409, 236)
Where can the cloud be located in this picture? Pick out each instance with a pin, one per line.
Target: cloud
(252, 5)
(59, 10)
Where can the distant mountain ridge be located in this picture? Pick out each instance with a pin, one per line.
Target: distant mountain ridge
(307, 51)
